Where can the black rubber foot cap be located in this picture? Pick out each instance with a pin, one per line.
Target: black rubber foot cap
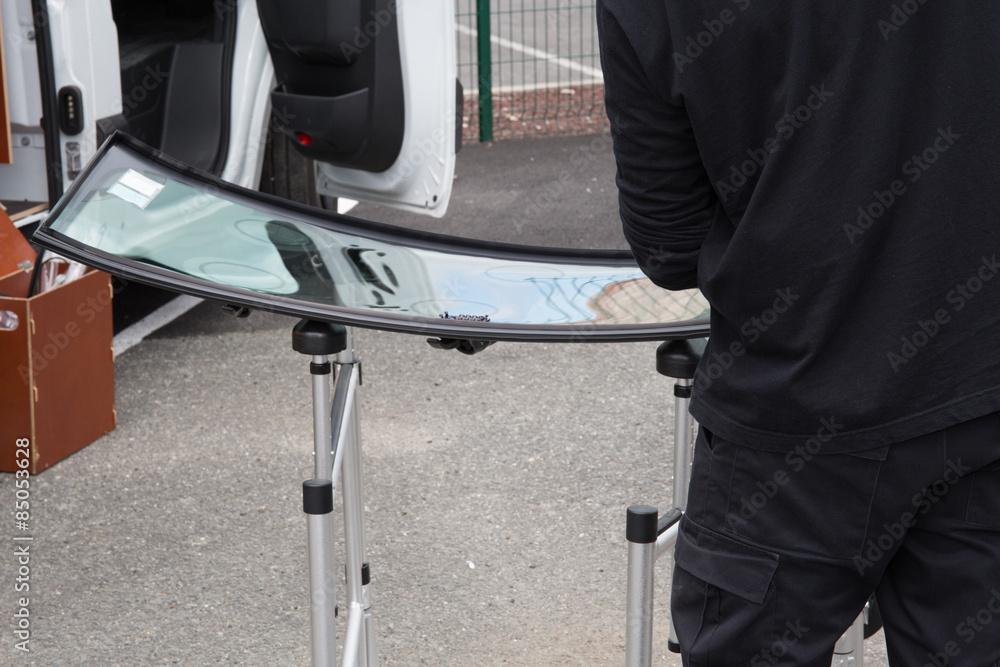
(640, 524)
(319, 338)
(679, 358)
(317, 496)
(673, 647)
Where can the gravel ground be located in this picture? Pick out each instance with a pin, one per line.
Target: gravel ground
(569, 109)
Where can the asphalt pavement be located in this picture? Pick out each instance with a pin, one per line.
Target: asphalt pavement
(496, 485)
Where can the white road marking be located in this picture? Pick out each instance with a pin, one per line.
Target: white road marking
(535, 53)
(529, 87)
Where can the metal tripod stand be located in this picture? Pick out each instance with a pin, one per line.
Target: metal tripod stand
(650, 536)
(337, 456)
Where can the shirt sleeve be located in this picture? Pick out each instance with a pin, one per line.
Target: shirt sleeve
(666, 200)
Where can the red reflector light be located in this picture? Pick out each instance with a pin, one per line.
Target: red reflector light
(303, 138)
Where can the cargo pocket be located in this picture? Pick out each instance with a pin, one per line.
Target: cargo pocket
(984, 497)
(818, 506)
(722, 598)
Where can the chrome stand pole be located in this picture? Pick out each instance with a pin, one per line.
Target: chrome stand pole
(683, 452)
(640, 531)
(850, 649)
(317, 502)
(319, 340)
(359, 645)
(648, 536)
(683, 446)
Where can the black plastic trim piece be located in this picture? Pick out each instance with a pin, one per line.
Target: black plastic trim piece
(317, 496)
(109, 125)
(325, 56)
(682, 391)
(640, 524)
(237, 311)
(228, 51)
(459, 112)
(70, 110)
(366, 574)
(445, 328)
(320, 369)
(337, 124)
(673, 646)
(50, 99)
(464, 346)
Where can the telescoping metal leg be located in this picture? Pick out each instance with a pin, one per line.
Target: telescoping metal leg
(317, 502)
(850, 649)
(641, 526)
(649, 537)
(321, 339)
(359, 641)
(679, 360)
(640, 531)
(683, 452)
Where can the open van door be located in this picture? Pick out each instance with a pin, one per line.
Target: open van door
(368, 89)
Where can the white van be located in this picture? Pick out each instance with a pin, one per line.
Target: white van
(305, 100)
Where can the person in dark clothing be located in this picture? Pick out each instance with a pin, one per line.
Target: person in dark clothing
(826, 173)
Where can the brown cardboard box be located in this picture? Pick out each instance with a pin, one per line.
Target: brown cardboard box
(14, 248)
(57, 378)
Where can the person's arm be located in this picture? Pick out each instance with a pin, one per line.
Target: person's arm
(666, 200)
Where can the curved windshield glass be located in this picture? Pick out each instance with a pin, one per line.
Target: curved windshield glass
(153, 220)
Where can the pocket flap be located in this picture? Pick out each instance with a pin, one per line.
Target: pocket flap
(734, 567)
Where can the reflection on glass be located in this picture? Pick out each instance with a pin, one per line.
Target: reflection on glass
(137, 209)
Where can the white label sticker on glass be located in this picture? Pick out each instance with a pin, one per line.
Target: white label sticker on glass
(135, 188)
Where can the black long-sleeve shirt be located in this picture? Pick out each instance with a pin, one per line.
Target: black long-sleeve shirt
(827, 172)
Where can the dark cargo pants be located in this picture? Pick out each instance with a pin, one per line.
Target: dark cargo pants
(778, 553)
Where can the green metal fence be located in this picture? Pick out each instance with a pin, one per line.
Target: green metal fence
(529, 68)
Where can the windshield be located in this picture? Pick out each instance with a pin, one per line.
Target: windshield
(153, 220)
